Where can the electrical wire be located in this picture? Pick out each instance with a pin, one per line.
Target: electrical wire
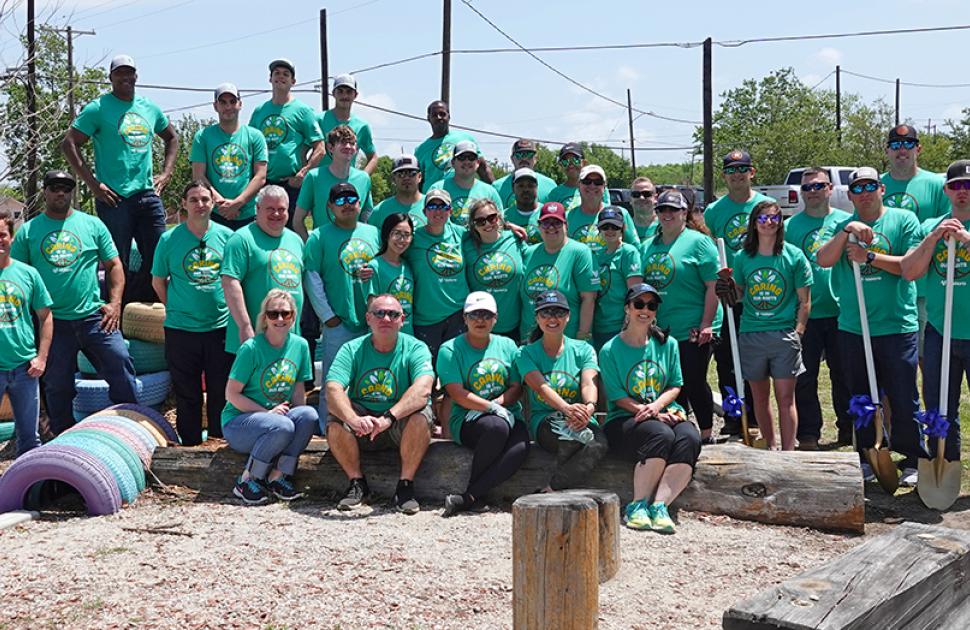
(906, 83)
(145, 15)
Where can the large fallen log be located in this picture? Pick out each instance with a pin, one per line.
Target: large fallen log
(818, 489)
(911, 577)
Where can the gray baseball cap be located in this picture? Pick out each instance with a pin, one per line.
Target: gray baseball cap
(226, 88)
(864, 174)
(347, 80)
(406, 162)
(122, 61)
(282, 62)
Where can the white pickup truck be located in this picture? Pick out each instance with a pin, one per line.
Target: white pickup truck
(789, 195)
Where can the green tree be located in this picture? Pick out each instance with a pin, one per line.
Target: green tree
(959, 135)
(185, 128)
(380, 180)
(675, 173)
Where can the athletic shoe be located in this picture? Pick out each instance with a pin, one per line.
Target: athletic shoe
(909, 477)
(404, 497)
(356, 494)
(731, 427)
(454, 503)
(867, 474)
(807, 444)
(638, 515)
(251, 491)
(283, 489)
(661, 518)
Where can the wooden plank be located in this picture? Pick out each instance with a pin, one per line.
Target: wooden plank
(822, 490)
(910, 577)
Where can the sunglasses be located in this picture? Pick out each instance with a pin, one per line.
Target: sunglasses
(283, 315)
(591, 182)
(608, 227)
(769, 218)
(896, 145)
(407, 173)
(401, 235)
(641, 304)
(550, 224)
(553, 312)
(438, 207)
(60, 188)
(346, 200)
(858, 189)
(392, 315)
(480, 315)
(466, 157)
(731, 170)
(960, 184)
(815, 186)
(524, 155)
(482, 221)
(570, 161)
(641, 194)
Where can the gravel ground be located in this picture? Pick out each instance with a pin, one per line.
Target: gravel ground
(311, 566)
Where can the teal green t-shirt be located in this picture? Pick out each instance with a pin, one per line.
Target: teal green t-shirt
(563, 373)
(647, 231)
(435, 154)
(936, 283)
(315, 192)
(809, 234)
(328, 122)
(462, 198)
(642, 374)
(21, 291)
(503, 186)
(440, 284)
(570, 270)
(377, 380)
(261, 262)
(193, 267)
(337, 254)
(289, 129)
(582, 228)
(568, 196)
(615, 268)
(391, 206)
(66, 254)
(487, 372)
(729, 220)
(769, 288)
(398, 280)
(497, 268)
(679, 271)
(890, 299)
(122, 133)
(230, 160)
(528, 220)
(269, 374)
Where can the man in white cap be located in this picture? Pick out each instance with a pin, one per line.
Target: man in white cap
(232, 158)
(525, 209)
(126, 194)
(407, 198)
(344, 94)
(523, 156)
(435, 153)
(463, 184)
(294, 142)
(581, 220)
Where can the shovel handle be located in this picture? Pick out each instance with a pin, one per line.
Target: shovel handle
(947, 325)
(735, 352)
(864, 321)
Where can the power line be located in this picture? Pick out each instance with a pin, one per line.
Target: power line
(906, 83)
(798, 38)
(144, 15)
(824, 79)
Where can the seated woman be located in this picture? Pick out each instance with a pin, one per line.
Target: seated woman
(476, 369)
(561, 375)
(266, 415)
(641, 375)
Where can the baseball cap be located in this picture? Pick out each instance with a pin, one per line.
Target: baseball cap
(592, 169)
(282, 62)
(551, 299)
(480, 301)
(524, 173)
(465, 146)
(341, 189)
(405, 162)
(863, 174)
(347, 80)
(610, 215)
(641, 289)
(571, 148)
(226, 88)
(439, 194)
(122, 61)
(552, 210)
(903, 132)
(58, 177)
(671, 199)
(737, 157)
(957, 171)
(523, 144)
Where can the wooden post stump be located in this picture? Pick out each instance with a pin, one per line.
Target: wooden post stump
(555, 543)
(609, 529)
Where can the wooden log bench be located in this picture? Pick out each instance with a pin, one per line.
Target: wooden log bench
(912, 577)
(822, 490)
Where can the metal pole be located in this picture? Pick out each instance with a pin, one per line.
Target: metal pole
(446, 52)
(70, 71)
(708, 126)
(31, 192)
(324, 65)
(897, 102)
(629, 111)
(838, 104)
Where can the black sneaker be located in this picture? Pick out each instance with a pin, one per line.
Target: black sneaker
(454, 503)
(251, 491)
(356, 494)
(731, 427)
(283, 489)
(404, 497)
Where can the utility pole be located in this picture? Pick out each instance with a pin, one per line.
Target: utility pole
(324, 65)
(446, 53)
(838, 104)
(31, 192)
(897, 102)
(708, 126)
(70, 33)
(629, 112)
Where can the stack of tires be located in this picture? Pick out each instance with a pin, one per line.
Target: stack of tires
(6, 419)
(142, 327)
(104, 457)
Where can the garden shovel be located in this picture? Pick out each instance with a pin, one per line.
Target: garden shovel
(880, 458)
(939, 479)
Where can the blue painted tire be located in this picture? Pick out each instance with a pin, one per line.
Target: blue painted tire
(69, 464)
(152, 416)
(114, 462)
(155, 388)
(92, 394)
(127, 453)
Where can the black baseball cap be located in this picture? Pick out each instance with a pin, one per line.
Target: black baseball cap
(551, 299)
(671, 199)
(958, 170)
(572, 148)
(737, 157)
(903, 132)
(610, 215)
(523, 144)
(641, 289)
(342, 189)
(59, 177)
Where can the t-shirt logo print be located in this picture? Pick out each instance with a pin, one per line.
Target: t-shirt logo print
(735, 230)
(902, 200)
(645, 381)
(605, 279)
(564, 384)
(442, 155)
(961, 260)
(403, 290)
(61, 248)
(202, 265)
(659, 269)
(488, 378)
(354, 254)
(134, 130)
(285, 268)
(540, 279)
(274, 130)
(766, 288)
(229, 160)
(277, 380)
(445, 258)
(812, 242)
(494, 269)
(11, 301)
(377, 385)
(590, 236)
(459, 210)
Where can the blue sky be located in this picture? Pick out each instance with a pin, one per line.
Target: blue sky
(183, 42)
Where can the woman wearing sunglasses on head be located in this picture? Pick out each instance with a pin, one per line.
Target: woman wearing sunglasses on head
(477, 370)
(619, 269)
(641, 375)
(561, 375)
(494, 263)
(266, 414)
(392, 274)
(773, 279)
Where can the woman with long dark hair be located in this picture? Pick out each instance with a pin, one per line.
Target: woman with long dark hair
(392, 274)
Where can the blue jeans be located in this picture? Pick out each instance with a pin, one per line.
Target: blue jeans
(107, 353)
(959, 369)
(142, 217)
(270, 438)
(333, 339)
(24, 392)
(821, 338)
(895, 358)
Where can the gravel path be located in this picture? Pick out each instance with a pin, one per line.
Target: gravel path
(310, 566)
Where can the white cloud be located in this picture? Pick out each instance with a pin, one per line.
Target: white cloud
(627, 76)
(376, 117)
(828, 56)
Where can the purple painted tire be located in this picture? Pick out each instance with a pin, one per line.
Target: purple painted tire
(154, 417)
(72, 465)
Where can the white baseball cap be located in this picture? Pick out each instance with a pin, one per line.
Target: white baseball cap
(480, 301)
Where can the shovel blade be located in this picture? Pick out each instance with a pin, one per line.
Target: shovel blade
(881, 462)
(938, 491)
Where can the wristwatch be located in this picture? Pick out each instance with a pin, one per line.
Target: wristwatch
(390, 416)
(870, 256)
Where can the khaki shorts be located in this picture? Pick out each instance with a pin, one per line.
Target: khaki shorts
(391, 438)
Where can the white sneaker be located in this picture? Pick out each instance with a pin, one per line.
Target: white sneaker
(867, 474)
(909, 478)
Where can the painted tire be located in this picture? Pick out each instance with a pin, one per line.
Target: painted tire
(114, 462)
(87, 369)
(145, 321)
(74, 466)
(126, 435)
(6, 431)
(92, 395)
(158, 438)
(153, 416)
(155, 388)
(119, 446)
(140, 433)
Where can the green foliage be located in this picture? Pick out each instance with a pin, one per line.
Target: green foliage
(959, 135)
(682, 173)
(185, 128)
(380, 180)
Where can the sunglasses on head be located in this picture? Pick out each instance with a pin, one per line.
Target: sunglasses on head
(815, 186)
(650, 305)
(896, 145)
(858, 189)
(641, 194)
(480, 315)
(466, 157)
(346, 200)
(731, 170)
(769, 218)
(555, 311)
(438, 207)
(570, 161)
(589, 181)
(283, 315)
(390, 314)
(524, 155)
(960, 184)
(482, 221)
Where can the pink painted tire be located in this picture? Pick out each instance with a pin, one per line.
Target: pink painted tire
(69, 464)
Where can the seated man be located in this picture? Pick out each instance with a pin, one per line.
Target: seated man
(378, 392)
